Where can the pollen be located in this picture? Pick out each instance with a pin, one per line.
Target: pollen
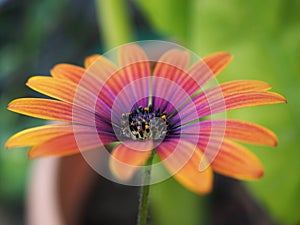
(144, 123)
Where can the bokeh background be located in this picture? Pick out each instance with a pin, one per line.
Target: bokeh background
(263, 36)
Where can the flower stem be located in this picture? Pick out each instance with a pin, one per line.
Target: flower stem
(144, 194)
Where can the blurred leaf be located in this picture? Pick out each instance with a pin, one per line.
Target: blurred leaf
(169, 17)
(114, 22)
(13, 163)
(13, 174)
(173, 204)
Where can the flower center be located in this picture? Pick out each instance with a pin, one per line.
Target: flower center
(144, 123)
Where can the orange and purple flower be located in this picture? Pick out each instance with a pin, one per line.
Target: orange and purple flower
(145, 106)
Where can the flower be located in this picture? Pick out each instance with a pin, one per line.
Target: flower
(144, 107)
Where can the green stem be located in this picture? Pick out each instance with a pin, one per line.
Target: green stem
(144, 194)
(114, 22)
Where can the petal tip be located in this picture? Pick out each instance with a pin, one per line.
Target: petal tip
(32, 79)
(226, 55)
(31, 155)
(120, 170)
(10, 104)
(256, 174)
(218, 61)
(88, 61)
(281, 98)
(34, 154)
(9, 143)
(275, 141)
(206, 190)
(261, 174)
(125, 161)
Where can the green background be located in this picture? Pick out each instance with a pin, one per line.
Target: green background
(263, 36)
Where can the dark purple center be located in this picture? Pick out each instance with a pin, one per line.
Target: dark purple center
(144, 123)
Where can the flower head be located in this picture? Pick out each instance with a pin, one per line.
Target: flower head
(148, 104)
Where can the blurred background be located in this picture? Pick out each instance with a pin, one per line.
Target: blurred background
(263, 36)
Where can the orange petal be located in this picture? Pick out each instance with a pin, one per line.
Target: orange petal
(205, 70)
(218, 61)
(64, 145)
(250, 133)
(131, 53)
(244, 85)
(189, 174)
(66, 90)
(236, 161)
(230, 88)
(90, 59)
(100, 71)
(68, 72)
(172, 64)
(100, 67)
(42, 108)
(51, 110)
(37, 135)
(33, 136)
(219, 92)
(246, 99)
(134, 65)
(57, 88)
(63, 90)
(238, 130)
(125, 160)
(70, 93)
(237, 100)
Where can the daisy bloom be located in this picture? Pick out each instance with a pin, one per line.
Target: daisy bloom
(149, 103)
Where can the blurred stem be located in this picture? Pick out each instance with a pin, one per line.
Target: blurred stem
(114, 22)
(144, 194)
